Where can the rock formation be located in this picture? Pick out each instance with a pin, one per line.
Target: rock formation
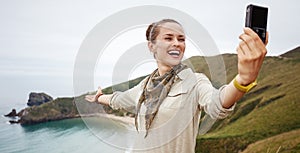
(13, 113)
(36, 99)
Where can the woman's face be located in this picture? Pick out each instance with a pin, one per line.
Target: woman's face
(169, 45)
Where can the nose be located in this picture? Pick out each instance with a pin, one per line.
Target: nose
(175, 42)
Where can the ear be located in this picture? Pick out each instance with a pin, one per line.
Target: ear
(151, 46)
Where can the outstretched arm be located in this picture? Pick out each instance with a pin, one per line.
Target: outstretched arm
(251, 52)
(99, 97)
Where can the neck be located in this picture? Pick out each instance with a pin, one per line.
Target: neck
(162, 68)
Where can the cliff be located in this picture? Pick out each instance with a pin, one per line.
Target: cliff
(64, 108)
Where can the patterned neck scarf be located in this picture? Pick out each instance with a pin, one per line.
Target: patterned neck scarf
(155, 91)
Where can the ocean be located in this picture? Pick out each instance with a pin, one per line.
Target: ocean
(77, 135)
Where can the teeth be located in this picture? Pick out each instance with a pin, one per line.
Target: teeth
(174, 52)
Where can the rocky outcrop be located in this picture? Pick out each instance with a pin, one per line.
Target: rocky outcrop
(15, 116)
(58, 109)
(13, 113)
(36, 99)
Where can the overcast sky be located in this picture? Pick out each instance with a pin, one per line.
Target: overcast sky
(39, 39)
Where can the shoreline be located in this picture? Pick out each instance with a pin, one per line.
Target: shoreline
(122, 119)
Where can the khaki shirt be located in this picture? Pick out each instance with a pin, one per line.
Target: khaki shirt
(175, 126)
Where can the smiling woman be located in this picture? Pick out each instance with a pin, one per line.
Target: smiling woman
(168, 103)
(168, 47)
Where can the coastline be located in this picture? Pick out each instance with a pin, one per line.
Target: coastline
(122, 119)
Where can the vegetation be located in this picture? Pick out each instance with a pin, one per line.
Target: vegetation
(64, 108)
(267, 114)
(265, 120)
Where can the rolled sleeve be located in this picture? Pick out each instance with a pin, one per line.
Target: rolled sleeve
(114, 100)
(210, 100)
(125, 100)
(215, 108)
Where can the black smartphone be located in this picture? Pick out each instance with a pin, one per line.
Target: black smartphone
(256, 19)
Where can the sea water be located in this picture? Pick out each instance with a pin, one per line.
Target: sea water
(64, 136)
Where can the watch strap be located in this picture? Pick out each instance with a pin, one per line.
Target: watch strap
(244, 88)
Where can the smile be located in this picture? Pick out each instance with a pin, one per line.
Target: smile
(174, 53)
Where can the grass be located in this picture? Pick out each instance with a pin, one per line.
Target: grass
(267, 116)
(284, 143)
(269, 110)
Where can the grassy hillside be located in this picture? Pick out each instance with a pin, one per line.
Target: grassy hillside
(285, 143)
(265, 120)
(271, 109)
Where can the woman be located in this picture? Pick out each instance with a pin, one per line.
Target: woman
(168, 103)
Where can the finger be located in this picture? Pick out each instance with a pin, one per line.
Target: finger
(248, 39)
(90, 98)
(267, 38)
(253, 35)
(87, 98)
(99, 91)
(250, 32)
(254, 43)
(243, 46)
(240, 53)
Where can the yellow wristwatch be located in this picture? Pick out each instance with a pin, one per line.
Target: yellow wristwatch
(244, 88)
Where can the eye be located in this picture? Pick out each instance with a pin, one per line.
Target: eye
(181, 39)
(168, 38)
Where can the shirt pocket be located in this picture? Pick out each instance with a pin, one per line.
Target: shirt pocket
(175, 99)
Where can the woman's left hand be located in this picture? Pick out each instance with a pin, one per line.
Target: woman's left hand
(94, 98)
(251, 53)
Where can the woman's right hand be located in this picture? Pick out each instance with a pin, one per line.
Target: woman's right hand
(251, 53)
(94, 98)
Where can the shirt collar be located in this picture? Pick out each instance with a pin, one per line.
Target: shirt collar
(184, 74)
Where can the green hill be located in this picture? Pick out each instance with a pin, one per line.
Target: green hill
(271, 109)
(269, 114)
(294, 54)
(286, 142)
